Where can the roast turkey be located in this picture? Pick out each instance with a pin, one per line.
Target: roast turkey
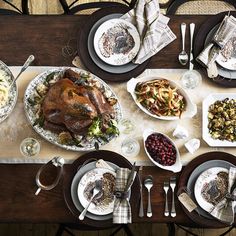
(70, 105)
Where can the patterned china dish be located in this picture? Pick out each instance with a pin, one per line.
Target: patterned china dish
(72, 108)
(211, 187)
(8, 92)
(161, 98)
(219, 120)
(161, 150)
(103, 203)
(116, 42)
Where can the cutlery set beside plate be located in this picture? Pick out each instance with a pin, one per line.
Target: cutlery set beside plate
(205, 180)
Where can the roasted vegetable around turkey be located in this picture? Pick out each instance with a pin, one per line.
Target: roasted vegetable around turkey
(222, 120)
(160, 98)
(74, 106)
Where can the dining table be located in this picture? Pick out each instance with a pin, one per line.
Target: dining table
(46, 36)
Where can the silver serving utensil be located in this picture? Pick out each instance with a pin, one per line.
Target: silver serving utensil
(172, 185)
(141, 213)
(29, 60)
(183, 56)
(148, 183)
(166, 188)
(96, 191)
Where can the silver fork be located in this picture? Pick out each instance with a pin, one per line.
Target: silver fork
(172, 185)
(166, 188)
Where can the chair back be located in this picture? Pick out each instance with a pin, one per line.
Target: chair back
(200, 7)
(8, 8)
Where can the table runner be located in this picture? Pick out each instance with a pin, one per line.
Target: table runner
(16, 127)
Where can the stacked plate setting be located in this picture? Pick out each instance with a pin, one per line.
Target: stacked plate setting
(90, 172)
(202, 176)
(117, 31)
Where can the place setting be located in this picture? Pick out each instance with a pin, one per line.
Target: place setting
(117, 47)
(205, 189)
(214, 48)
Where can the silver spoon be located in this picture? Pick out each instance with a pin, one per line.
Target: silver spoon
(148, 183)
(96, 190)
(29, 60)
(183, 56)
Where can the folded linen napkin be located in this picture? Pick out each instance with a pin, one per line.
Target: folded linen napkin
(210, 53)
(122, 209)
(224, 210)
(152, 27)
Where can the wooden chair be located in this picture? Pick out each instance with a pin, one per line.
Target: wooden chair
(68, 227)
(14, 10)
(189, 7)
(73, 8)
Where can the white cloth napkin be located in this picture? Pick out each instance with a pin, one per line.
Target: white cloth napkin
(152, 27)
(224, 210)
(210, 53)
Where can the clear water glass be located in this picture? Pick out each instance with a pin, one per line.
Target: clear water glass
(130, 147)
(191, 79)
(30, 147)
(126, 126)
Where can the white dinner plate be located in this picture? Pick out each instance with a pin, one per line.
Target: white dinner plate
(106, 207)
(204, 179)
(195, 174)
(116, 42)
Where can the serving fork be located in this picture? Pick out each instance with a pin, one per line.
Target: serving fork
(173, 185)
(166, 188)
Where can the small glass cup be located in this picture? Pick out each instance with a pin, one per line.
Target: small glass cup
(130, 147)
(49, 174)
(126, 126)
(30, 147)
(191, 79)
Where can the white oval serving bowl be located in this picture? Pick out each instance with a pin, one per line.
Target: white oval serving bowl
(175, 167)
(189, 112)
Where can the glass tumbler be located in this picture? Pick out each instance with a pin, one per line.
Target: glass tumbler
(49, 174)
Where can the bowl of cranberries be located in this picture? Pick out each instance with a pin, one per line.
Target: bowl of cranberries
(161, 150)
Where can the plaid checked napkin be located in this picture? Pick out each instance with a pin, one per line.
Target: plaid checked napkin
(152, 27)
(224, 210)
(210, 53)
(122, 209)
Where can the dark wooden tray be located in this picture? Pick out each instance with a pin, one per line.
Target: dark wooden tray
(194, 216)
(84, 53)
(70, 173)
(199, 41)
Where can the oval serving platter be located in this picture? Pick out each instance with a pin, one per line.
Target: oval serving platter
(86, 145)
(189, 112)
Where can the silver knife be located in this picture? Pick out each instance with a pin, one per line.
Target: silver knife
(192, 28)
(141, 213)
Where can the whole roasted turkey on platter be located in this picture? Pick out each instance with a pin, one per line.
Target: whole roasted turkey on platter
(71, 106)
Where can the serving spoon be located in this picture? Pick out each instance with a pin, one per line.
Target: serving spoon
(183, 56)
(29, 60)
